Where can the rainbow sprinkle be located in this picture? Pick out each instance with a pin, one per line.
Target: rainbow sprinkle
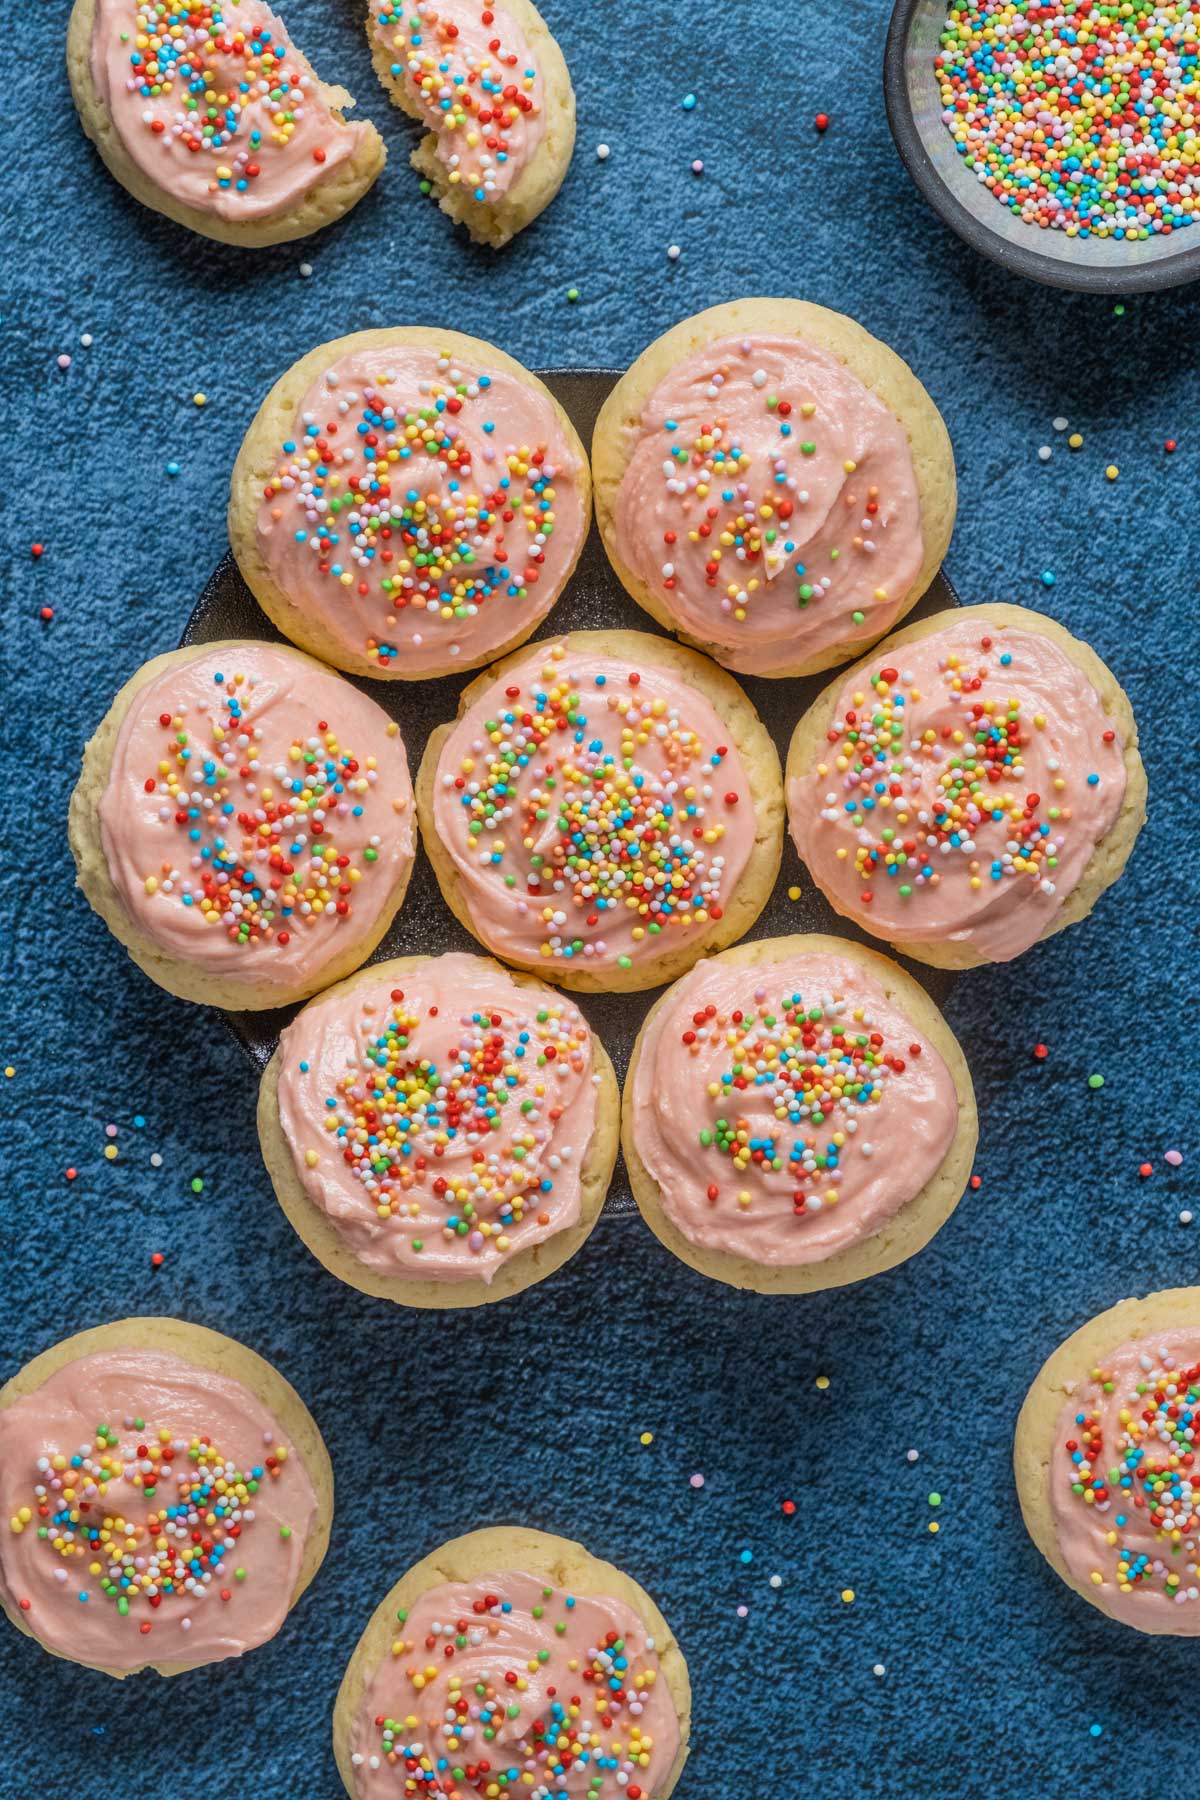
(1079, 117)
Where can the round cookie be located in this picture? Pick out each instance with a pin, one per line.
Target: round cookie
(1124, 1391)
(169, 1597)
(1077, 793)
(518, 1568)
(498, 157)
(241, 186)
(606, 804)
(713, 1173)
(426, 549)
(825, 527)
(301, 896)
(488, 1051)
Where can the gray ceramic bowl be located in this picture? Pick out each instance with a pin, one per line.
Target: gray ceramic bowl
(1089, 265)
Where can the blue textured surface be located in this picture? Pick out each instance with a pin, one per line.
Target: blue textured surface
(994, 1672)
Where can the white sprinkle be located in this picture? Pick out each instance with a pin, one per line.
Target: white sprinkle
(155, 1160)
(673, 252)
(879, 1669)
(306, 270)
(1060, 424)
(776, 1581)
(1185, 1217)
(602, 152)
(913, 1455)
(1045, 453)
(86, 340)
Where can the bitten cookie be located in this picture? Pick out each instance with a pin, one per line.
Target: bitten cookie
(774, 484)
(206, 111)
(797, 1115)
(520, 1647)
(1104, 1462)
(243, 823)
(970, 788)
(605, 809)
(439, 1130)
(167, 1498)
(409, 502)
(489, 81)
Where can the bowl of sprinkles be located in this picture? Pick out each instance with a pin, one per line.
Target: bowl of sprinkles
(1061, 138)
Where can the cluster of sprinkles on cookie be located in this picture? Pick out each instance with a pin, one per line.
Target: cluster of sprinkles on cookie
(747, 511)
(1149, 1479)
(203, 75)
(91, 1508)
(258, 855)
(1080, 118)
(445, 545)
(918, 796)
(821, 1066)
(536, 1721)
(396, 1116)
(469, 75)
(605, 832)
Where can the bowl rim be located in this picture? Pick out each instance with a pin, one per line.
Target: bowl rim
(1164, 272)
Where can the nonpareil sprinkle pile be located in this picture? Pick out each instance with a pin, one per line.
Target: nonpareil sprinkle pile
(1080, 117)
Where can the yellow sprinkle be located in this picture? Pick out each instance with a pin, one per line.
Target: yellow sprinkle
(647, 1437)
(848, 1596)
(1112, 471)
(822, 1382)
(199, 399)
(793, 893)
(111, 1152)
(1075, 441)
(9, 1072)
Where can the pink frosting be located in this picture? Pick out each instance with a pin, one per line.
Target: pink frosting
(468, 70)
(594, 811)
(1136, 1543)
(158, 1410)
(836, 1111)
(983, 855)
(770, 502)
(240, 781)
(233, 158)
(403, 453)
(608, 1712)
(440, 1125)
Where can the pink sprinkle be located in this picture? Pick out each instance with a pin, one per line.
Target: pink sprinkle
(697, 1481)
(64, 362)
(1174, 1157)
(742, 1611)
(110, 1131)
(697, 167)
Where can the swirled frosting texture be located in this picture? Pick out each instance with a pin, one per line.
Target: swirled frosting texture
(962, 789)
(215, 105)
(788, 1109)
(770, 502)
(1123, 1493)
(258, 812)
(595, 812)
(135, 1486)
(560, 1693)
(468, 73)
(421, 510)
(441, 1123)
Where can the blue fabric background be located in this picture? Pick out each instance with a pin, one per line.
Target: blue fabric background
(995, 1674)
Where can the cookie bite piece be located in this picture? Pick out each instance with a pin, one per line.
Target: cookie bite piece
(166, 1498)
(439, 1130)
(972, 787)
(488, 81)
(606, 807)
(774, 485)
(243, 823)
(797, 1115)
(521, 1649)
(206, 111)
(1104, 1462)
(409, 502)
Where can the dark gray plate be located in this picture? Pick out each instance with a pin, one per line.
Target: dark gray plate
(595, 599)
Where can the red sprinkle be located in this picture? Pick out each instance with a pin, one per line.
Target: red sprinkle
(822, 121)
